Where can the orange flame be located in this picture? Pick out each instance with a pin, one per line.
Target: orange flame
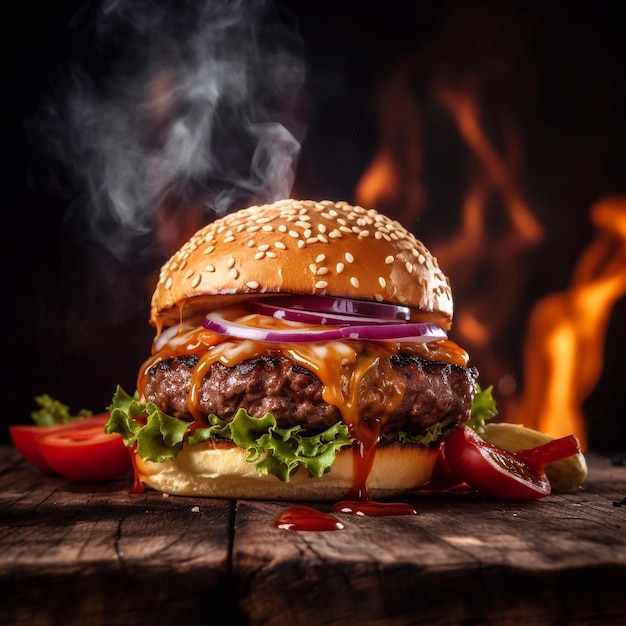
(564, 349)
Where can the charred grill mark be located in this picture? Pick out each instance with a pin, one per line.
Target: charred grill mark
(431, 391)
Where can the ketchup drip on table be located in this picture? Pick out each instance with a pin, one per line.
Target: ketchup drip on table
(301, 517)
(370, 508)
(357, 502)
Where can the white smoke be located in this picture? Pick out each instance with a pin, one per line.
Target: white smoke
(195, 98)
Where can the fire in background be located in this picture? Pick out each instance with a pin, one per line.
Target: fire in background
(536, 277)
(496, 132)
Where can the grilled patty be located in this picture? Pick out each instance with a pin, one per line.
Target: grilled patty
(430, 392)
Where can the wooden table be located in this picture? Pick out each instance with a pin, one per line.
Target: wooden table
(94, 554)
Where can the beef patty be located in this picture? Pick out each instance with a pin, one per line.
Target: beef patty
(430, 392)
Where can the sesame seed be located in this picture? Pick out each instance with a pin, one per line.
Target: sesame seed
(382, 282)
(302, 224)
(313, 268)
(196, 281)
(229, 239)
(321, 284)
(322, 238)
(280, 245)
(340, 267)
(264, 247)
(321, 228)
(421, 259)
(251, 243)
(307, 233)
(294, 233)
(209, 268)
(253, 229)
(183, 265)
(409, 266)
(268, 228)
(271, 255)
(378, 297)
(252, 284)
(364, 233)
(301, 243)
(354, 281)
(349, 257)
(320, 257)
(259, 255)
(282, 228)
(209, 250)
(322, 271)
(234, 272)
(230, 263)
(389, 260)
(168, 283)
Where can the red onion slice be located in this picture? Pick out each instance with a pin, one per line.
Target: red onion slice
(414, 332)
(342, 306)
(313, 317)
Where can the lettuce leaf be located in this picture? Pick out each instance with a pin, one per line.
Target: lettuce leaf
(483, 409)
(277, 451)
(434, 434)
(53, 412)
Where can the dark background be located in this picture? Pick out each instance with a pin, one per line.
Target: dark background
(77, 322)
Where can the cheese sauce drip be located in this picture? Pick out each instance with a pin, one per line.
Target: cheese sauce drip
(354, 373)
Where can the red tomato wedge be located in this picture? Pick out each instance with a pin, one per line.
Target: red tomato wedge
(78, 451)
(24, 438)
(494, 472)
(443, 478)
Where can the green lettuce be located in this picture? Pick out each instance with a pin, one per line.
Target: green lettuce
(53, 412)
(483, 408)
(277, 451)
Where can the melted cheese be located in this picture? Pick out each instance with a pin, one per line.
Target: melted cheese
(354, 374)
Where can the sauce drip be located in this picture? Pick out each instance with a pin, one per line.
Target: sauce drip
(355, 377)
(137, 484)
(300, 517)
(370, 508)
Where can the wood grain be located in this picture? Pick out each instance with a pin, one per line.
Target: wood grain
(94, 554)
(76, 554)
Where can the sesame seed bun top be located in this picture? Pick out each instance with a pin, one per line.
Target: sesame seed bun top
(307, 248)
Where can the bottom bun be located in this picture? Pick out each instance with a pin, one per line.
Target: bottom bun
(223, 472)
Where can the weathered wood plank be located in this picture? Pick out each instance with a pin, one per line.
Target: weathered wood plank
(463, 559)
(73, 554)
(76, 554)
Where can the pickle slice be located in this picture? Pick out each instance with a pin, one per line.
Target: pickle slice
(564, 475)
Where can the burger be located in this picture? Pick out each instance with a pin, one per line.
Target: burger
(301, 352)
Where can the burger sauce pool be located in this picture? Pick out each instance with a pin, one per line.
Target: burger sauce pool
(300, 517)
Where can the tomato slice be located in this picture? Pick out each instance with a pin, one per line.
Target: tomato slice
(442, 477)
(79, 450)
(497, 473)
(85, 453)
(24, 438)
